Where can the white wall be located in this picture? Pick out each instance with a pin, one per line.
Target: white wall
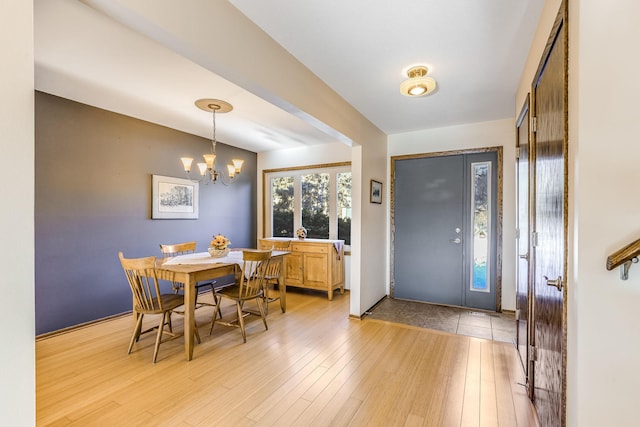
(499, 133)
(370, 241)
(547, 18)
(17, 358)
(604, 331)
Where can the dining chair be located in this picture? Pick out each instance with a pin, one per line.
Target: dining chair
(273, 272)
(147, 298)
(248, 286)
(171, 250)
(182, 249)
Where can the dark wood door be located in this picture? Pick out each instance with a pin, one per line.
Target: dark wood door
(549, 226)
(522, 244)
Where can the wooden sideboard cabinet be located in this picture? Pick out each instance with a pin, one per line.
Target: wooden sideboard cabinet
(313, 263)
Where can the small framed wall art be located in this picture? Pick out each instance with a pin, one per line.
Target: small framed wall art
(376, 192)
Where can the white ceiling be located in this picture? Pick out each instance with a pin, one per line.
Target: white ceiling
(475, 49)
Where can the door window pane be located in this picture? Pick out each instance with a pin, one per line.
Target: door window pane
(480, 220)
(315, 205)
(282, 204)
(344, 207)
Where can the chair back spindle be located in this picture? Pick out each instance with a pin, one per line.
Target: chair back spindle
(141, 275)
(255, 264)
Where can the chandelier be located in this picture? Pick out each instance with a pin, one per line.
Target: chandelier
(208, 168)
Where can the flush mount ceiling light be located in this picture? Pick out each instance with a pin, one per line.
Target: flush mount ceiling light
(417, 84)
(208, 168)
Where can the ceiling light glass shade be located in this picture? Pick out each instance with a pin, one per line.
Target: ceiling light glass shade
(417, 84)
(203, 168)
(209, 159)
(186, 162)
(232, 170)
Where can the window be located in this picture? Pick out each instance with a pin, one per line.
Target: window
(315, 204)
(480, 220)
(282, 202)
(317, 198)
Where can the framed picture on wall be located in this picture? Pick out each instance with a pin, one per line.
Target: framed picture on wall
(173, 198)
(376, 192)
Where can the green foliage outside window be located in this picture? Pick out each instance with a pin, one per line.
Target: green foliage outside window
(282, 201)
(315, 205)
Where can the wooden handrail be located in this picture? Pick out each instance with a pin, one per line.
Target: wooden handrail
(624, 255)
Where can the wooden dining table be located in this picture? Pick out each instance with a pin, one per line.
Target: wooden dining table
(189, 272)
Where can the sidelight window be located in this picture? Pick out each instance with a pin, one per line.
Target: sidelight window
(480, 225)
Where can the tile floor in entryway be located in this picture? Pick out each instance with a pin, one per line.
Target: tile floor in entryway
(456, 320)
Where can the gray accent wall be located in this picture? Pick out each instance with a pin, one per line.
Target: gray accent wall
(93, 199)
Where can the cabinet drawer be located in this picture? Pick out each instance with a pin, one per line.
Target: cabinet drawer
(317, 249)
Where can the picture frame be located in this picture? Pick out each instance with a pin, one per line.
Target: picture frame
(174, 198)
(376, 192)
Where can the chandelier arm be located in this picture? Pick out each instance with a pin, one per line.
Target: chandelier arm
(226, 180)
(188, 173)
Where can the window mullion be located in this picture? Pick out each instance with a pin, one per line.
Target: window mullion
(268, 207)
(297, 202)
(333, 205)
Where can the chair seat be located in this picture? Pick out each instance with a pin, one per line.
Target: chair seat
(233, 292)
(169, 302)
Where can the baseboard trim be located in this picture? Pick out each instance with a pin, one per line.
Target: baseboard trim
(81, 326)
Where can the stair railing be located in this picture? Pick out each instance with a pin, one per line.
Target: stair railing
(623, 258)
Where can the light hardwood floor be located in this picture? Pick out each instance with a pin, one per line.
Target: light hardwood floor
(314, 366)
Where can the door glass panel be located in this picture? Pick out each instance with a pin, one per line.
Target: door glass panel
(315, 205)
(282, 205)
(480, 221)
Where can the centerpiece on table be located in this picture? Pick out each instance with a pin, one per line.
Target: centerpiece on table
(219, 246)
(301, 233)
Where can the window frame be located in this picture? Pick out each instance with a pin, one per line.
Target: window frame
(333, 169)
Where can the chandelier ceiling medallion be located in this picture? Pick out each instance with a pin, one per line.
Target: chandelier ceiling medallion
(208, 169)
(417, 84)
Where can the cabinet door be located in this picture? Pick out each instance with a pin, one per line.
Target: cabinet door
(294, 269)
(316, 274)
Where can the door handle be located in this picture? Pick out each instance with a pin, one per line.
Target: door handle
(557, 283)
(456, 240)
(524, 256)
